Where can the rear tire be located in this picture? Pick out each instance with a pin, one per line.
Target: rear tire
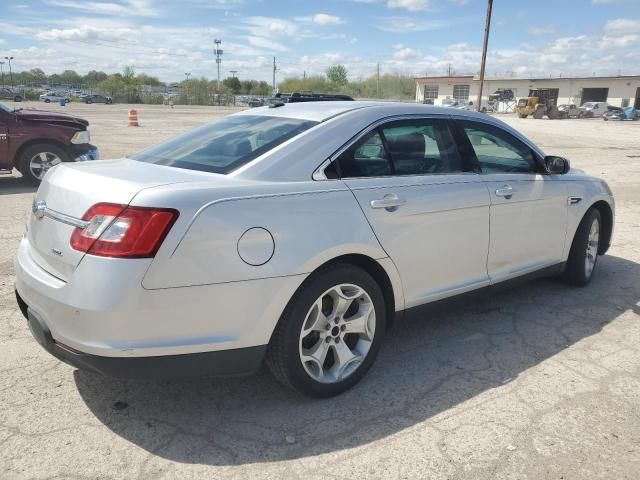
(583, 256)
(44, 155)
(318, 348)
(538, 114)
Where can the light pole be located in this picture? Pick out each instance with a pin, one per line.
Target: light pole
(2, 72)
(233, 73)
(10, 72)
(217, 51)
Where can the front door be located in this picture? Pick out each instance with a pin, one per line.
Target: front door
(528, 217)
(429, 211)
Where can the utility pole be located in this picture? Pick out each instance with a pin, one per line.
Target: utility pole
(449, 70)
(378, 80)
(274, 76)
(2, 72)
(10, 72)
(484, 53)
(304, 74)
(186, 86)
(233, 73)
(217, 51)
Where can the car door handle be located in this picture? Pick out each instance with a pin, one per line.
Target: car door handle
(506, 191)
(389, 202)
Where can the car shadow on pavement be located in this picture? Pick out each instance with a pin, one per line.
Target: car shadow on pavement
(10, 185)
(432, 361)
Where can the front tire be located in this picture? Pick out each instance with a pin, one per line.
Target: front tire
(330, 333)
(37, 159)
(583, 256)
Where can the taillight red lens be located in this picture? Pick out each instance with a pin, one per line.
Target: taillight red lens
(123, 232)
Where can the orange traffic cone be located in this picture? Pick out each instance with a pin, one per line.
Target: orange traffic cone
(133, 118)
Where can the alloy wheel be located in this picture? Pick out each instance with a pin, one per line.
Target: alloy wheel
(41, 162)
(337, 333)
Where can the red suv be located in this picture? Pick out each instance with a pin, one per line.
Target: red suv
(33, 141)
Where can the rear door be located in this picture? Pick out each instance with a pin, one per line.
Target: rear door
(429, 211)
(528, 217)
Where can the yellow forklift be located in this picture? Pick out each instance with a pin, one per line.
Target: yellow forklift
(539, 103)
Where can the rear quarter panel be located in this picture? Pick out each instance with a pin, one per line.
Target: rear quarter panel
(310, 222)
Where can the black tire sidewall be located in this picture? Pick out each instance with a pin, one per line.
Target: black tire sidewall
(575, 272)
(296, 314)
(27, 155)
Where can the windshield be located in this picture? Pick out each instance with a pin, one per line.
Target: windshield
(224, 145)
(5, 108)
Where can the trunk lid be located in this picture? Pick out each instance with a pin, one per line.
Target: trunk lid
(71, 189)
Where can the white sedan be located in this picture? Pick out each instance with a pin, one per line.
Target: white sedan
(294, 234)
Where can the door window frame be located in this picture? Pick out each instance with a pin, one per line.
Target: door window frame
(466, 148)
(320, 175)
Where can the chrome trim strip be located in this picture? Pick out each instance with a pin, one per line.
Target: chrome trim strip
(67, 219)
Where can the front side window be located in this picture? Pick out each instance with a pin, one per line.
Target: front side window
(405, 147)
(224, 145)
(498, 151)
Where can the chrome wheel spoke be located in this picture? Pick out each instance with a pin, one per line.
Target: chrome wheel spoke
(359, 323)
(593, 242)
(317, 355)
(316, 320)
(343, 358)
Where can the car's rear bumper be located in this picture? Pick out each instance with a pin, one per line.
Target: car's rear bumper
(239, 361)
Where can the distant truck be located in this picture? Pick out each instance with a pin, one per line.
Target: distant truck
(33, 141)
(538, 104)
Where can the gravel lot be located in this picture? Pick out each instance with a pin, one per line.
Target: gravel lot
(539, 382)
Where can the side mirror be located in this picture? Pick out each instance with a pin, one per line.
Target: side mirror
(556, 165)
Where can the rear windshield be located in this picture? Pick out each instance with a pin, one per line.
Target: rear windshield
(224, 145)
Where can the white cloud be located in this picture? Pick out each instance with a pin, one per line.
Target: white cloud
(411, 5)
(2, 41)
(270, 27)
(405, 53)
(408, 24)
(266, 44)
(622, 25)
(141, 8)
(460, 3)
(325, 19)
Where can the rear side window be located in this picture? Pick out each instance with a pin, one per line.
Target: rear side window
(225, 145)
(405, 147)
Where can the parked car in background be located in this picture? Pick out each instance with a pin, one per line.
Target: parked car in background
(594, 109)
(294, 234)
(299, 97)
(54, 97)
(617, 113)
(8, 94)
(571, 110)
(97, 99)
(33, 141)
(256, 102)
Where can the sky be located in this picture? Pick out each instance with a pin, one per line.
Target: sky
(413, 37)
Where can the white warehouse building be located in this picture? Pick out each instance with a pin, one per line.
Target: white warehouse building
(621, 91)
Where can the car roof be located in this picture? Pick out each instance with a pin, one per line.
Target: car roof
(323, 111)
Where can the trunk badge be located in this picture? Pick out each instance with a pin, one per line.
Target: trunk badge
(39, 208)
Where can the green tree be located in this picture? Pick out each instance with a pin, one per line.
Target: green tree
(38, 75)
(337, 74)
(93, 78)
(113, 86)
(70, 77)
(233, 84)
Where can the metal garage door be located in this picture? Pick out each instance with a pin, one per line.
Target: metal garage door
(594, 95)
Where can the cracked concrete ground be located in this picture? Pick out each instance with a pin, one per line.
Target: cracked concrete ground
(538, 382)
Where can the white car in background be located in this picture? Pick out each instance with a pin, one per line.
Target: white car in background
(54, 97)
(594, 109)
(294, 234)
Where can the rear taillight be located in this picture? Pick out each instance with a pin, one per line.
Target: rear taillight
(124, 232)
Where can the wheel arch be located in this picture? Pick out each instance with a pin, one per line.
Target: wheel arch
(35, 141)
(606, 214)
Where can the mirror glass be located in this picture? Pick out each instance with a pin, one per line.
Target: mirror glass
(555, 164)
